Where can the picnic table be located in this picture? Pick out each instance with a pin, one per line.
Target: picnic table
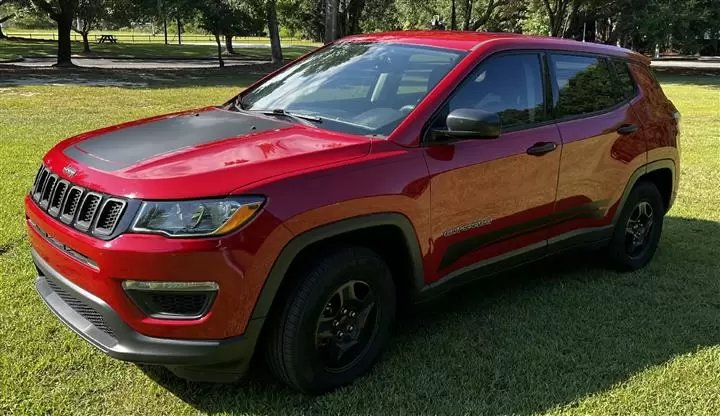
(107, 38)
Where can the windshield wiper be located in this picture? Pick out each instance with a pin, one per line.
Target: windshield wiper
(238, 104)
(288, 114)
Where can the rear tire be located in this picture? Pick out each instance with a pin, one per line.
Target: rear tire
(335, 323)
(637, 232)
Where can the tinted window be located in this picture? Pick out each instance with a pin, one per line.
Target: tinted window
(510, 86)
(625, 87)
(584, 84)
(361, 88)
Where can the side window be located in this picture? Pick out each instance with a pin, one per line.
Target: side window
(626, 85)
(509, 85)
(583, 83)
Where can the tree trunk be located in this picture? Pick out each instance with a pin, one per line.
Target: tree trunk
(453, 15)
(179, 25)
(485, 17)
(228, 45)
(219, 50)
(274, 32)
(331, 12)
(2, 35)
(355, 9)
(64, 23)
(468, 15)
(86, 42)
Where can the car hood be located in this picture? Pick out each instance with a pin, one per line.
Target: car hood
(207, 152)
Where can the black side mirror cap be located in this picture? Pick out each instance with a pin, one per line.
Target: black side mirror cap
(470, 123)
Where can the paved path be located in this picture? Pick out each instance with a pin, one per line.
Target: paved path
(159, 63)
(120, 63)
(686, 64)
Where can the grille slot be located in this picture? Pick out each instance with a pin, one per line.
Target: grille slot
(87, 312)
(47, 191)
(69, 208)
(109, 216)
(57, 197)
(37, 185)
(87, 211)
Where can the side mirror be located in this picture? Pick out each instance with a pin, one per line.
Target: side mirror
(470, 123)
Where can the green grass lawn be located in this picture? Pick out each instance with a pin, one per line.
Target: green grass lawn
(563, 337)
(46, 48)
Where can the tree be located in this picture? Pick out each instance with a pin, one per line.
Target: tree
(228, 18)
(89, 13)
(62, 12)
(274, 32)
(214, 18)
(245, 19)
(480, 21)
(7, 12)
(558, 12)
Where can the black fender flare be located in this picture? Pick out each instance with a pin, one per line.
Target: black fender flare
(639, 173)
(282, 263)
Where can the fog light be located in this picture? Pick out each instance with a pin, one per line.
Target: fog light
(172, 300)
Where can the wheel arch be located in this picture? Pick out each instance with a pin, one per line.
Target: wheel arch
(304, 245)
(662, 173)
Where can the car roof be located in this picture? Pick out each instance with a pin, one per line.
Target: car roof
(467, 41)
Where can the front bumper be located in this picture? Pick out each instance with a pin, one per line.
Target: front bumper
(95, 321)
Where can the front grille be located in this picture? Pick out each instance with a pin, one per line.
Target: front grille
(86, 311)
(82, 209)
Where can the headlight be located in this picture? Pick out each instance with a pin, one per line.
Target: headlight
(206, 217)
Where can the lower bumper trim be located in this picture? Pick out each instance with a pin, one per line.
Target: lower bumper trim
(120, 341)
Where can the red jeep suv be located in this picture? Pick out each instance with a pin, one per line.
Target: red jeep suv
(379, 170)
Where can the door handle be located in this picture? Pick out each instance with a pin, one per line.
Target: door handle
(541, 148)
(626, 129)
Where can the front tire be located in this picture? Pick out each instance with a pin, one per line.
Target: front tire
(637, 232)
(335, 323)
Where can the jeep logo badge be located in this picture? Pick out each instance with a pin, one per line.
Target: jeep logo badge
(69, 171)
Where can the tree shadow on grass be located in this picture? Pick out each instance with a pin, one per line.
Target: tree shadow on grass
(703, 77)
(234, 76)
(523, 342)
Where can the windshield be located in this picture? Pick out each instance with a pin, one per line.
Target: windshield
(359, 88)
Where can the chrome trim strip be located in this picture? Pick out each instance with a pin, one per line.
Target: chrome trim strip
(151, 286)
(62, 247)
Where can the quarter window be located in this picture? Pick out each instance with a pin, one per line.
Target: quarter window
(584, 85)
(625, 85)
(509, 85)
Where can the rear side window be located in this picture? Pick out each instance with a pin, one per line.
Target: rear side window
(509, 85)
(625, 88)
(584, 85)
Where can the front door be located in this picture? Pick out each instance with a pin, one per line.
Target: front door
(492, 198)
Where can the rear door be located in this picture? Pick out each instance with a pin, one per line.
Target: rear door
(602, 139)
(492, 198)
